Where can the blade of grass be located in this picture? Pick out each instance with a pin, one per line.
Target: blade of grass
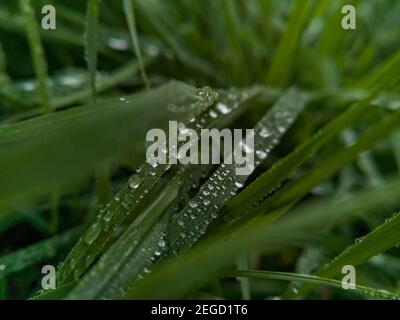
(23, 258)
(174, 279)
(4, 78)
(130, 18)
(296, 189)
(284, 57)
(91, 34)
(382, 238)
(310, 279)
(37, 52)
(396, 147)
(195, 218)
(56, 160)
(114, 78)
(243, 263)
(130, 201)
(267, 182)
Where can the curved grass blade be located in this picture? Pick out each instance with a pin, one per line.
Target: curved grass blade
(310, 279)
(382, 238)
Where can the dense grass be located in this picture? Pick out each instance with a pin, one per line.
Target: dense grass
(77, 193)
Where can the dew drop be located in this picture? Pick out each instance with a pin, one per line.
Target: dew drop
(146, 270)
(135, 181)
(213, 114)
(238, 184)
(261, 154)
(162, 243)
(92, 233)
(264, 133)
(223, 108)
(192, 204)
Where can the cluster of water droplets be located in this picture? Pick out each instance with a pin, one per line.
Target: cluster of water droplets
(139, 263)
(192, 222)
(111, 217)
(195, 105)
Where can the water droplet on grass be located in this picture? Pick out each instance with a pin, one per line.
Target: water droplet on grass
(223, 108)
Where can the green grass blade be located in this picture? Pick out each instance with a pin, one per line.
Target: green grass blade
(396, 147)
(130, 18)
(283, 59)
(37, 52)
(267, 182)
(91, 39)
(296, 189)
(382, 238)
(310, 279)
(4, 78)
(131, 254)
(174, 279)
(44, 139)
(195, 218)
(36, 253)
(59, 293)
(128, 203)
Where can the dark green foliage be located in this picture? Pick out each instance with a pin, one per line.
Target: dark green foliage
(76, 191)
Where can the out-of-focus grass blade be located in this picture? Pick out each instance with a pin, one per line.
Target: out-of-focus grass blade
(130, 18)
(151, 10)
(108, 130)
(233, 29)
(37, 52)
(35, 253)
(91, 35)
(4, 79)
(83, 95)
(284, 57)
(396, 147)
